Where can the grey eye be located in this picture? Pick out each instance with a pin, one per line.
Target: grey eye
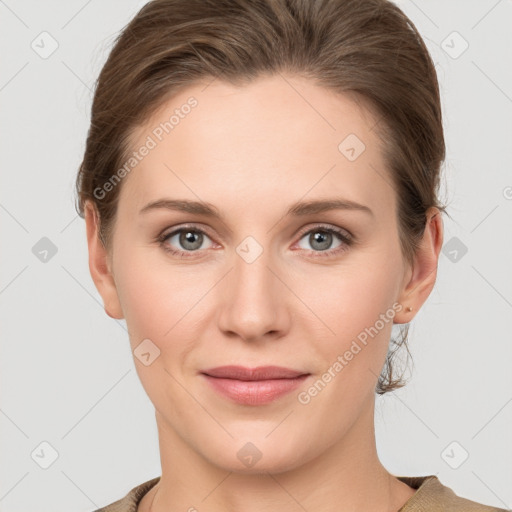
(320, 239)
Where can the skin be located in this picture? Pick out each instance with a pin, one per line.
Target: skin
(252, 151)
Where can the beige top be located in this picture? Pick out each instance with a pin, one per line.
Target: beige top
(430, 496)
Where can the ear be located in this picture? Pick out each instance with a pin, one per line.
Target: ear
(100, 264)
(420, 279)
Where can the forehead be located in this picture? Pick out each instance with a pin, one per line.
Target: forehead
(277, 135)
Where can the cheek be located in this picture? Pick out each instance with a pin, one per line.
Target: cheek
(157, 303)
(353, 299)
(358, 309)
(157, 299)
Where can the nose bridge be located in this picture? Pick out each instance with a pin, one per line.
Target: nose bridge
(253, 302)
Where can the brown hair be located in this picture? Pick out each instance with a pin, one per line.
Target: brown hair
(367, 49)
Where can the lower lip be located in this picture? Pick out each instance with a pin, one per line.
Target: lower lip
(256, 392)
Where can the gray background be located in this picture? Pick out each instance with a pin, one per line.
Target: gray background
(66, 371)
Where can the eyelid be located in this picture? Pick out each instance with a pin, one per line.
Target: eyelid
(330, 227)
(193, 226)
(205, 229)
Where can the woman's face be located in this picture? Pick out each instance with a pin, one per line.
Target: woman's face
(259, 285)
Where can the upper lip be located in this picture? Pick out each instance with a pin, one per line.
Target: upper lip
(259, 373)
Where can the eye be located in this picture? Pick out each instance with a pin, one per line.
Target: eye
(191, 239)
(321, 239)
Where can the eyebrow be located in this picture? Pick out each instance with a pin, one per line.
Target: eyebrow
(296, 209)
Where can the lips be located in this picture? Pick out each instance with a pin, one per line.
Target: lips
(251, 374)
(253, 386)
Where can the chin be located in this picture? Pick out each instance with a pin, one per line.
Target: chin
(259, 456)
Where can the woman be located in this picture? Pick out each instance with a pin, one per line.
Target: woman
(260, 194)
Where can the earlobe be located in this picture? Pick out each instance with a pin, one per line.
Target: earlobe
(99, 265)
(424, 271)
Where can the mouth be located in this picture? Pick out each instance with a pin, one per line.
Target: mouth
(251, 374)
(253, 386)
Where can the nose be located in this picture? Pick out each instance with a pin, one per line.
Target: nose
(254, 300)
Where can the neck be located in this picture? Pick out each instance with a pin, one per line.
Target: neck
(346, 476)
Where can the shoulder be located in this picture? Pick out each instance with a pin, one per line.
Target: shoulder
(432, 496)
(131, 500)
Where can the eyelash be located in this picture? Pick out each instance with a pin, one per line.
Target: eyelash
(346, 239)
